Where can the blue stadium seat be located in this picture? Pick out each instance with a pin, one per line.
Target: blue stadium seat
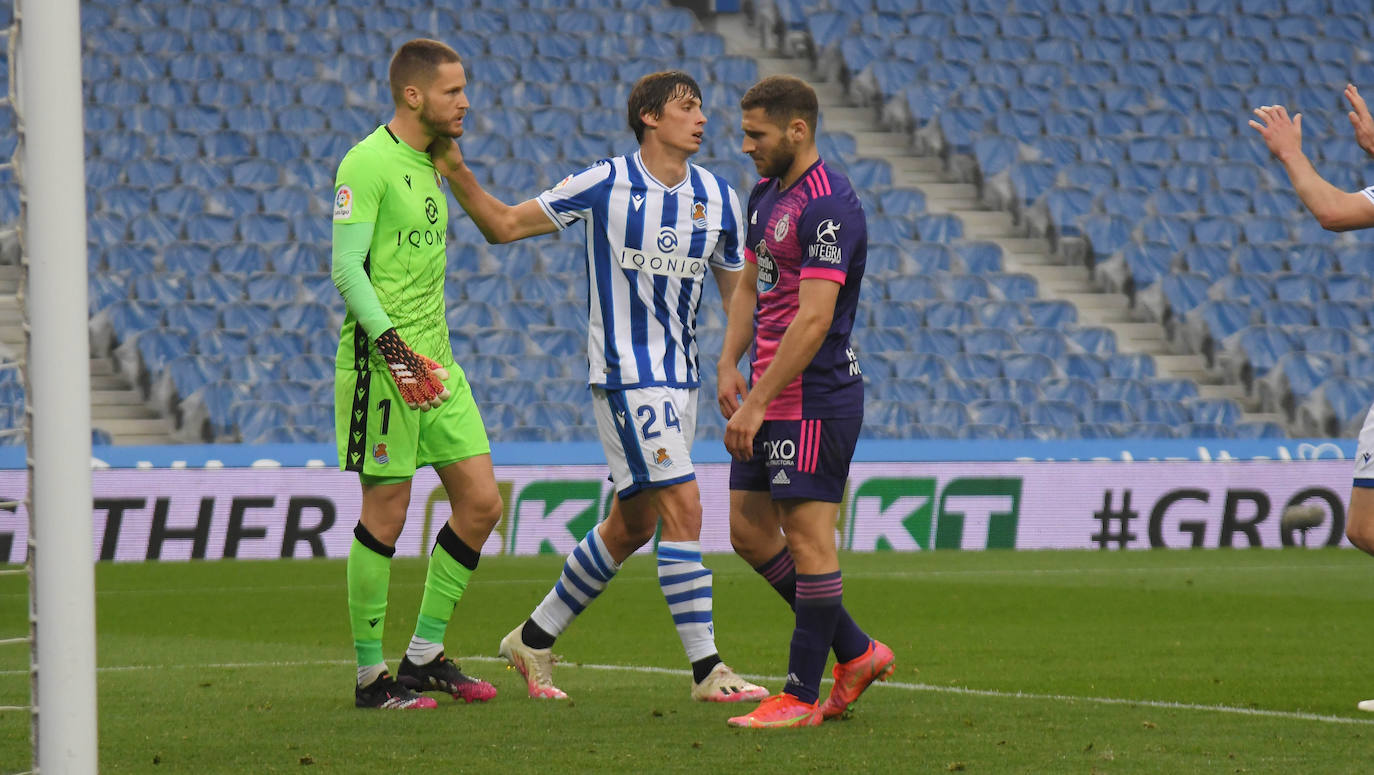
(1097, 340)
(256, 418)
(556, 342)
(1051, 313)
(299, 316)
(1339, 405)
(939, 341)
(1261, 346)
(1254, 289)
(894, 415)
(1222, 411)
(1028, 366)
(950, 414)
(1131, 391)
(274, 288)
(884, 339)
(189, 373)
(1167, 412)
(134, 259)
(503, 341)
(962, 286)
(931, 257)
(156, 347)
(1287, 313)
(1339, 314)
(949, 314)
(230, 344)
(1021, 391)
(1347, 287)
(1106, 234)
(163, 288)
(1131, 365)
(1001, 314)
(976, 366)
(192, 315)
(104, 289)
(987, 340)
(1054, 412)
(1183, 291)
(278, 344)
(904, 391)
(1325, 340)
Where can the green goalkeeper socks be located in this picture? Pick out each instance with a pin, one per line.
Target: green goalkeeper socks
(369, 576)
(451, 564)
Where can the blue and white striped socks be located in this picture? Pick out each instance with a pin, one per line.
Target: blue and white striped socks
(586, 572)
(686, 586)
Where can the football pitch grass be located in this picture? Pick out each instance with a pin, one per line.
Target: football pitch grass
(1015, 662)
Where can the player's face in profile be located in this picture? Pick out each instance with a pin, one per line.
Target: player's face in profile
(445, 101)
(767, 144)
(682, 124)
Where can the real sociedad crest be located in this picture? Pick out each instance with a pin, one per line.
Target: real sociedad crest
(699, 214)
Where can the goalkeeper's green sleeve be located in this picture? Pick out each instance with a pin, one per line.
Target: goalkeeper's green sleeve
(351, 243)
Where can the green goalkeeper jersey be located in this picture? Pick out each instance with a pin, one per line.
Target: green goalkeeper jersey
(384, 182)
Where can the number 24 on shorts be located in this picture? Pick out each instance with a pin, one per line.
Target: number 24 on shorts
(647, 418)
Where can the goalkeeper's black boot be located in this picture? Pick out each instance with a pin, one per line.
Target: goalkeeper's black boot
(442, 675)
(387, 694)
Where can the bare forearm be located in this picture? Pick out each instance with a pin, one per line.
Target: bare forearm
(490, 214)
(739, 323)
(1324, 200)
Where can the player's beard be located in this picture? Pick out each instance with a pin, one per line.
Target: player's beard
(436, 126)
(779, 161)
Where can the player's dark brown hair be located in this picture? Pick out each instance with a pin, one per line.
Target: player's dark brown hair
(783, 98)
(654, 91)
(414, 64)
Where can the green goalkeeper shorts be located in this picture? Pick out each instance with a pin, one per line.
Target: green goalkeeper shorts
(379, 436)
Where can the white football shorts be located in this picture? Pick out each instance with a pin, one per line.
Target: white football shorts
(1364, 453)
(647, 433)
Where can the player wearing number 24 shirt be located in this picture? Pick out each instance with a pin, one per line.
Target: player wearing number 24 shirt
(654, 223)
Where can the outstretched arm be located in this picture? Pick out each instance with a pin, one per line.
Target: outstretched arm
(1335, 210)
(498, 221)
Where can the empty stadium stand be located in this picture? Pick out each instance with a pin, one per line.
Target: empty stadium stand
(1114, 136)
(1073, 232)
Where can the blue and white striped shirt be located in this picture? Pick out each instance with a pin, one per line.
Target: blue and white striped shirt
(648, 248)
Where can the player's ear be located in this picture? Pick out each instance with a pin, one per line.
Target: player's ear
(412, 96)
(650, 119)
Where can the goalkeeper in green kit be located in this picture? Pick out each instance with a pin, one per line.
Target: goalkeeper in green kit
(400, 399)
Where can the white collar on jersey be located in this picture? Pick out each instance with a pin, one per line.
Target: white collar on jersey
(639, 162)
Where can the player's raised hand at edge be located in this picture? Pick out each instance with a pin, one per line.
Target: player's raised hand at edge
(1281, 134)
(1360, 119)
(420, 379)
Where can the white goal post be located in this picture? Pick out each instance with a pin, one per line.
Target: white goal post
(51, 172)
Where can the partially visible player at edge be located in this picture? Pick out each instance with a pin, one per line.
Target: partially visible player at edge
(793, 427)
(654, 223)
(400, 399)
(1335, 210)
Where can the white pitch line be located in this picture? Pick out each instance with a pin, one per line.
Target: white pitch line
(912, 574)
(889, 685)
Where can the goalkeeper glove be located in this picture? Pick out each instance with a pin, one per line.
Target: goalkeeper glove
(419, 379)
